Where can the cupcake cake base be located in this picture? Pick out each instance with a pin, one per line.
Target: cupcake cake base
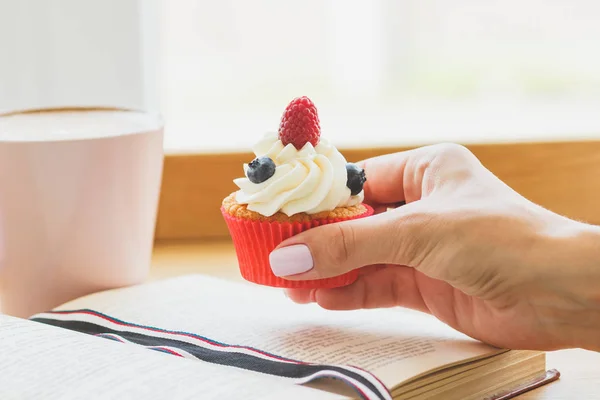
(256, 236)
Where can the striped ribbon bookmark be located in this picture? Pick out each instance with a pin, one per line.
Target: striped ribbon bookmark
(192, 346)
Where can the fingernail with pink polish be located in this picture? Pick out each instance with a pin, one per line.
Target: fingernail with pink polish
(291, 260)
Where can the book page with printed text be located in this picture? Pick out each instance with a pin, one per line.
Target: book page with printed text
(394, 344)
(39, 361)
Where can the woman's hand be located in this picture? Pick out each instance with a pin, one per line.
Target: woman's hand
(465, 247)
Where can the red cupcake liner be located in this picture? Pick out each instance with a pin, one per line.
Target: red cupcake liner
(255, 240)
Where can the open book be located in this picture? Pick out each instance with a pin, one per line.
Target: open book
(200, 337)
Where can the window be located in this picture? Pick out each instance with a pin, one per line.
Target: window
(380, 71)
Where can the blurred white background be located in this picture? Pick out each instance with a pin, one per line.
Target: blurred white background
(381, 72)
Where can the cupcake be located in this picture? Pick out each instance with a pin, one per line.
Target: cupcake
(297, 181)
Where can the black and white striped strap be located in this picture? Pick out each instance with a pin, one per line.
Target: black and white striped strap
(193, 346)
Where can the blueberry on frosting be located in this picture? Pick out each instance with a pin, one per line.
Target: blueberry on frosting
(260, 169)
(356, 178)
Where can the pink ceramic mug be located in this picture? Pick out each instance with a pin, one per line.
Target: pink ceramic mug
(79, 191)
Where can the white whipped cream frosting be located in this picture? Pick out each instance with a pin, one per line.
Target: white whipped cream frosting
(309, 180)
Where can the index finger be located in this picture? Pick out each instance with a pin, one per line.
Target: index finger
(389, 179)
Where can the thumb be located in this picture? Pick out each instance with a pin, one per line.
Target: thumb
(393, 237)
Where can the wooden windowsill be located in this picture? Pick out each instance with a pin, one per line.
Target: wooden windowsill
(561, 175)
